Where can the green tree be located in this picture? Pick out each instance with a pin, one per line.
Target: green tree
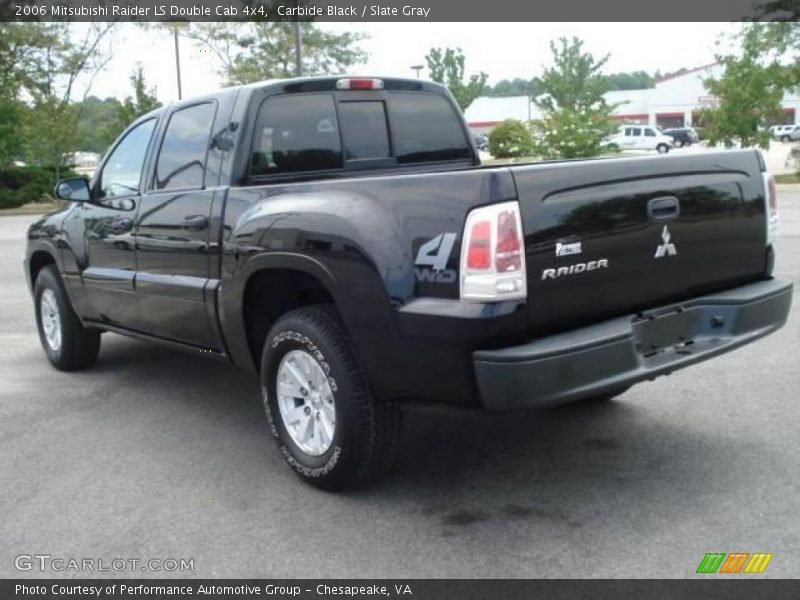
(513, 87)
(781, 40)
(255, 52)
(143, 101)
(748, 95)
(65, 63)
(575, 116)
(21, 67)
(447, 67)
(12, 113)
(635, 80)
(100, 123)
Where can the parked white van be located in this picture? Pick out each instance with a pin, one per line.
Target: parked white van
(641, 137)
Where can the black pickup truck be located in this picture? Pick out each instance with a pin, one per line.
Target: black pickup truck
(339, 238)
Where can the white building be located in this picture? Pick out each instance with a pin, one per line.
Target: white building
(673, 102)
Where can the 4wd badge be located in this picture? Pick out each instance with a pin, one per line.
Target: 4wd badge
(434, 254)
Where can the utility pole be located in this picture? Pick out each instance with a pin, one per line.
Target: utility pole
(177, 61)
(418, 68)
(298, 49)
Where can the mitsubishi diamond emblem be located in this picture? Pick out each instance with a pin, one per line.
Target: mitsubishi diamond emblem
(665, 249)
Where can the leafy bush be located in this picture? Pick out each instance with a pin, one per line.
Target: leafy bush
(573, 134)
(510, 139)
(20, 185)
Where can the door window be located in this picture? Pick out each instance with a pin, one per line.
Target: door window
(182, 158)
(122, 172)
(649, 133)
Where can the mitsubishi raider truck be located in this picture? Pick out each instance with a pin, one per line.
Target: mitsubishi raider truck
(338, 238)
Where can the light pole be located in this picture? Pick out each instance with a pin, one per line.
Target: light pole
(177, 61)
(418, 68)
(298, 48)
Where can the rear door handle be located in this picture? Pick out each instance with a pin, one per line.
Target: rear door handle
(195, 222)
(663, 208)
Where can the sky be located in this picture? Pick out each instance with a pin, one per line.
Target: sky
(502, 50)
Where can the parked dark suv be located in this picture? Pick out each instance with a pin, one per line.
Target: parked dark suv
(683, 136)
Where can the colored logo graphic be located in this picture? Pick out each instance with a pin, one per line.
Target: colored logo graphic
(734, 562)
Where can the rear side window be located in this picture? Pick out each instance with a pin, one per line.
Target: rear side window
(426, 128)
(182, 158)
(296, 133)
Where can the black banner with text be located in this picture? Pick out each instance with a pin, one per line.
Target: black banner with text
(416, 589)
(398, 10)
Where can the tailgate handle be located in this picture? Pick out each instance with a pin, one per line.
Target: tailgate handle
(663, 208)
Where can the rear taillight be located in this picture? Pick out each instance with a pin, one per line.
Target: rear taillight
(479, 254)
(771, 207)
(492, 256)
(359, 84)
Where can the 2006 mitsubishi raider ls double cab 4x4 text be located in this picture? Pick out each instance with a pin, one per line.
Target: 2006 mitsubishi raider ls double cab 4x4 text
(338, 237)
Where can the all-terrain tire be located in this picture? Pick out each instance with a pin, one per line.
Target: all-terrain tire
(69, 346)
(366, 432)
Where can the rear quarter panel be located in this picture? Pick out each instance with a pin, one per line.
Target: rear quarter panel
(360, 237)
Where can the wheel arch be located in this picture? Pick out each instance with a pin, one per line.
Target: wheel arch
(39, 259)
(268, 287)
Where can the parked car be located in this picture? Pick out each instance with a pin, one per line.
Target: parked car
(640, 137)
(682, 136)
(777, 131)
(788, 133)
(482, 143)
(339, 239)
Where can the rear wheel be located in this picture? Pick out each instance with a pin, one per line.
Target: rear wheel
(69, 345)
(662, 148)
(329, 428)
(678, 144)
(785, 138)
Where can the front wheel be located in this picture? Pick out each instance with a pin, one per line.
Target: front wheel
(69, 345)
(785, 138)
(329, 428)
(679, 144)
(662, 148)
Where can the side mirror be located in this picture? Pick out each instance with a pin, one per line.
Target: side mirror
(75, 189)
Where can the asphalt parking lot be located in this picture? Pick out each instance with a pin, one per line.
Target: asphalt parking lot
(160, 454)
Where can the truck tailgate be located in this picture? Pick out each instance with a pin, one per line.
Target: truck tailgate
(611, 237)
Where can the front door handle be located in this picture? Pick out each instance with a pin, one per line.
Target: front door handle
(663, 208)
(195, 222)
